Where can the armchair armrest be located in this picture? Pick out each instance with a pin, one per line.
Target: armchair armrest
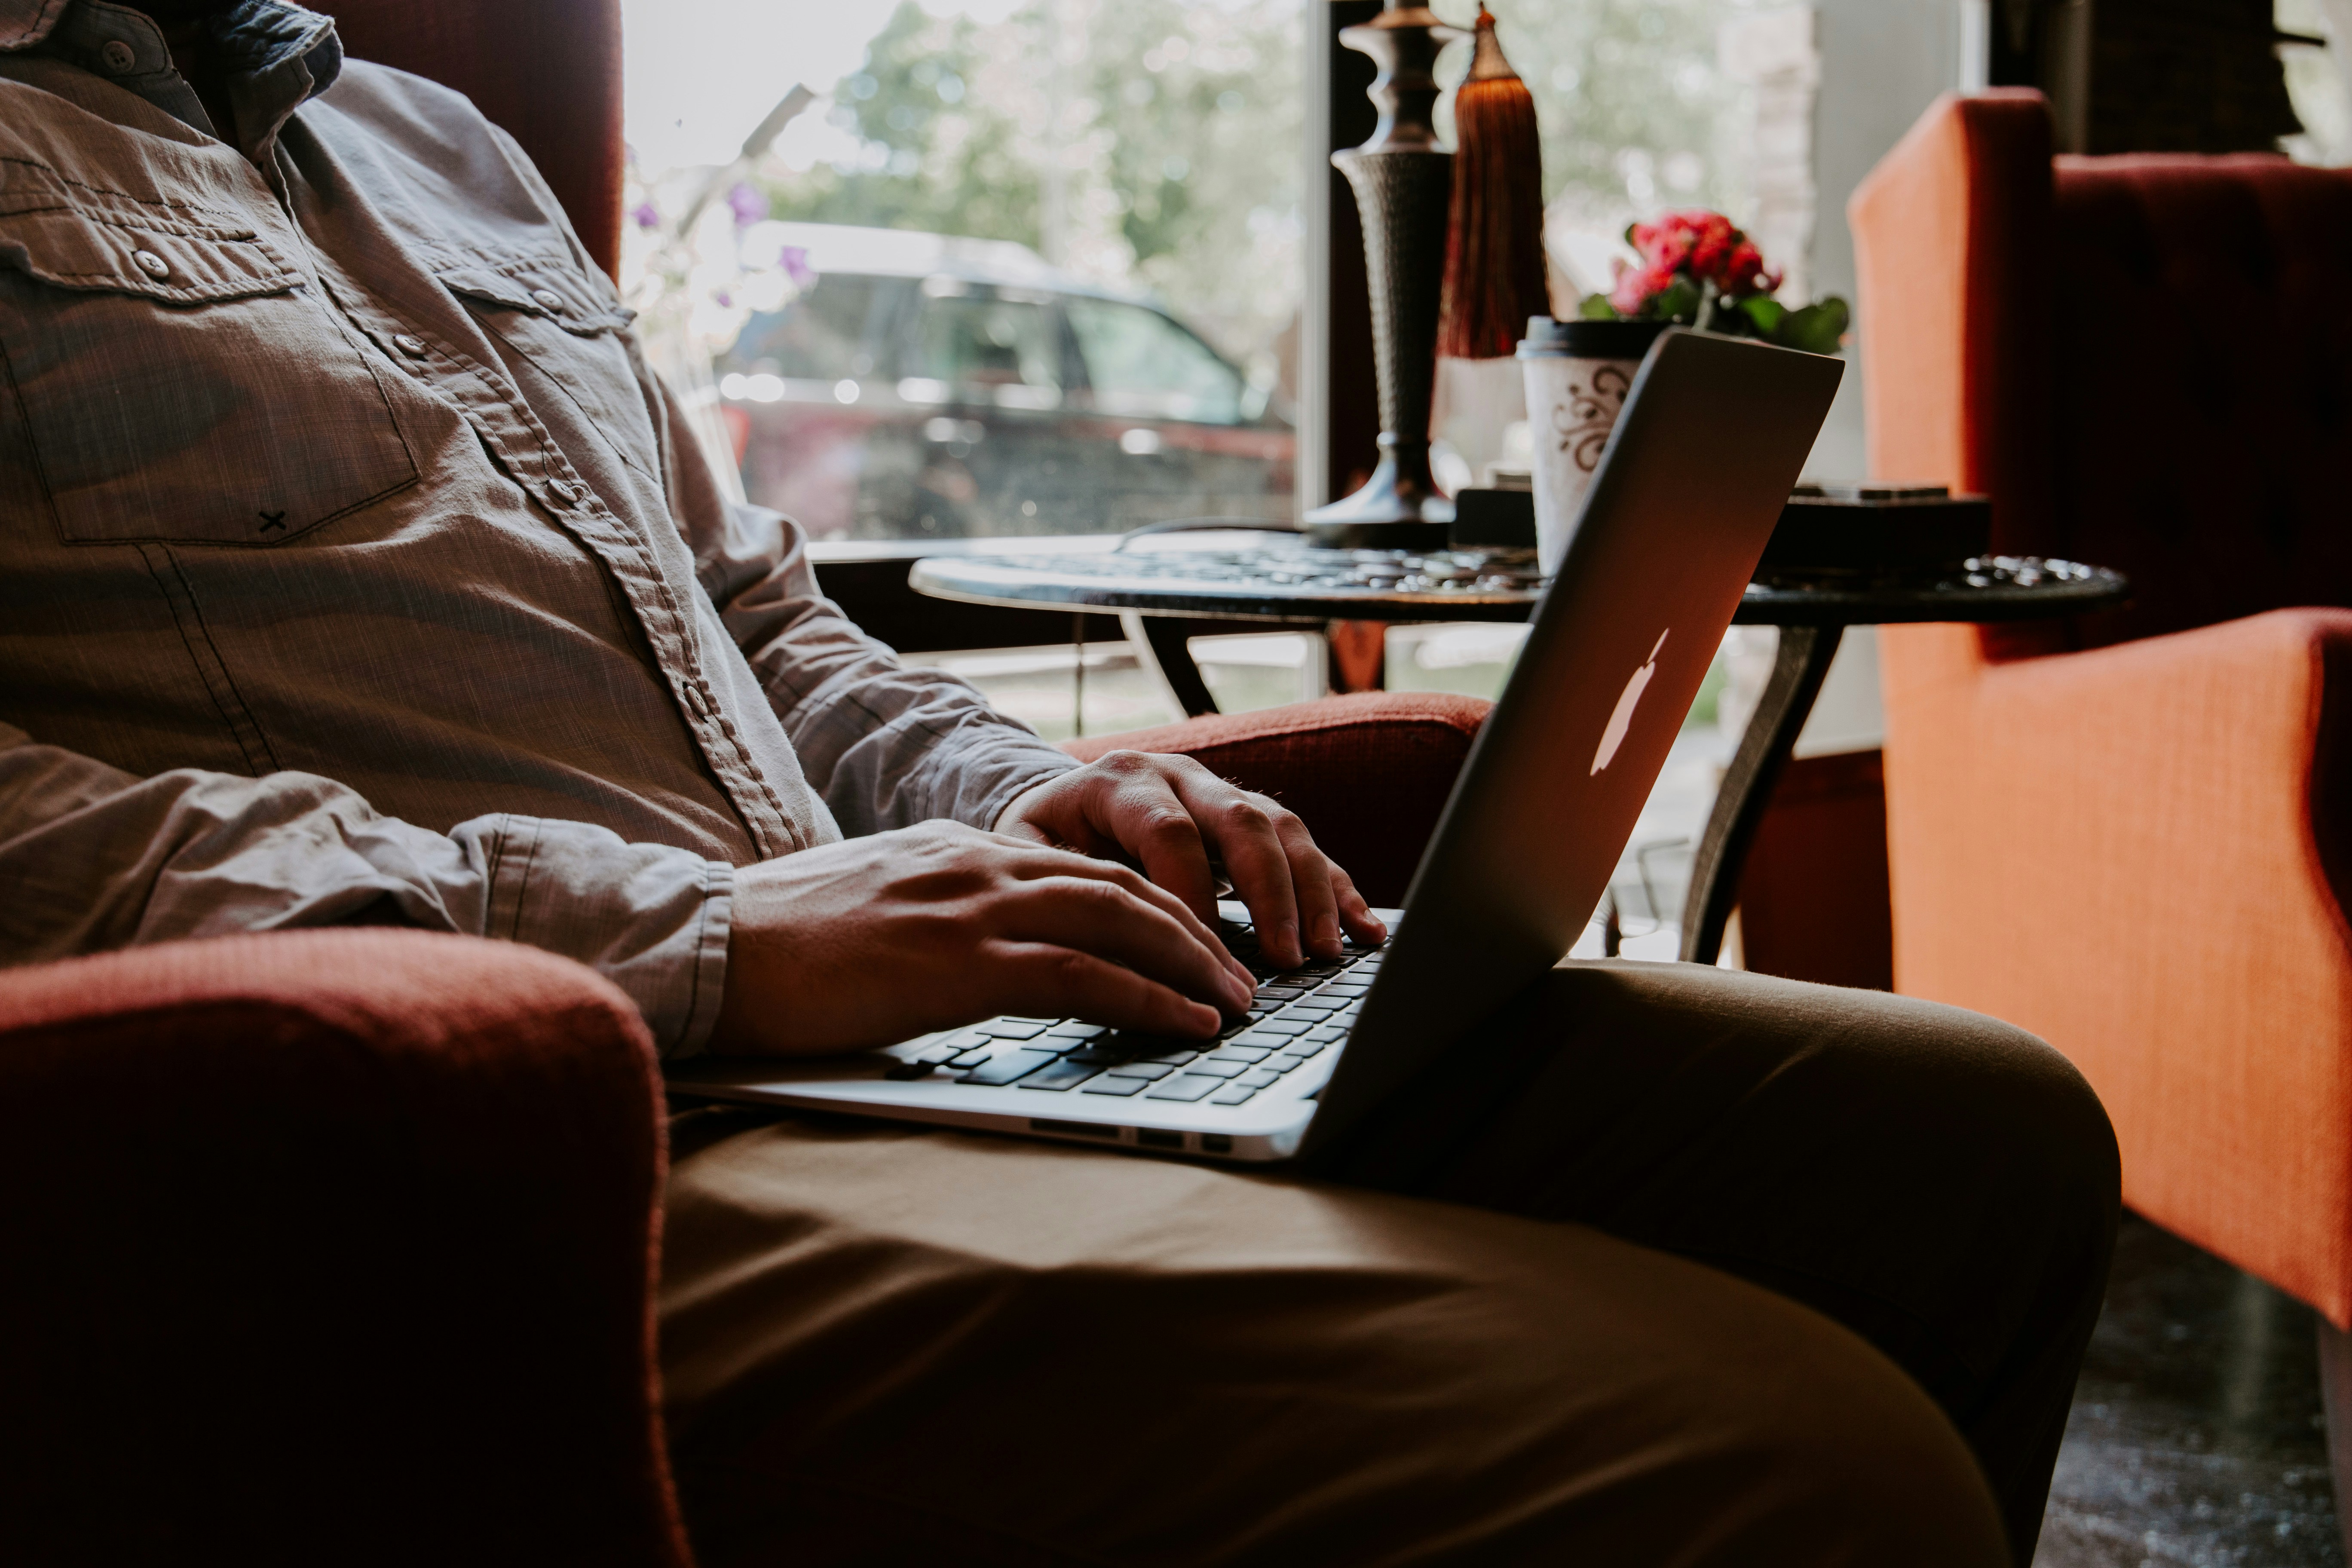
(2139, 853)
(330, 1247)
(1369, 773)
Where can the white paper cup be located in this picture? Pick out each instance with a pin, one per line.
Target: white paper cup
(1578, 374)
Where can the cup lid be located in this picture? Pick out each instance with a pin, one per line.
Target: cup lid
(1548, 339)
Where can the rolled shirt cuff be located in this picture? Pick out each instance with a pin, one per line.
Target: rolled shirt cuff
(1019, 775)
(652, 918)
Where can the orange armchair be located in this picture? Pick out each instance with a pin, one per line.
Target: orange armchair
(2129, 833)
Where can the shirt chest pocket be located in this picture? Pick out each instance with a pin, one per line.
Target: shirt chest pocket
(551, 328)
(184, 383)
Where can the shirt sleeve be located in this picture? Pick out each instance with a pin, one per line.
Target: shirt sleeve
(97, 859)
(886, 744)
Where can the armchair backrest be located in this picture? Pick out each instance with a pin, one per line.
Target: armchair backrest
(547, 71)
(2145, 360)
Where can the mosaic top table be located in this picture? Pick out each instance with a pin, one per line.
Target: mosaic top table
(1155, 590)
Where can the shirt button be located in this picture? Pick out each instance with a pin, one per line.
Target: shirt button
(548, 299)
(117, 55)
(564, 490)
(412, 347)
(152, 264)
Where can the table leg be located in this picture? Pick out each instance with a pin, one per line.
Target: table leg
(1798, 668)
(1163, 640)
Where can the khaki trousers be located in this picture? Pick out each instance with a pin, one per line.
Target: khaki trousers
(1669, 1265)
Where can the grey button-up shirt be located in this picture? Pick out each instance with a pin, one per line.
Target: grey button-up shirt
(354, 568)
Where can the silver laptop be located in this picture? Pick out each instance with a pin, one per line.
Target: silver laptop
(1703, 458)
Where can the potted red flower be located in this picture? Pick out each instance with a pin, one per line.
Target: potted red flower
(1698, 270)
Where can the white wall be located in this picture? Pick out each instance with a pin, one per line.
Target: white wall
(1883, 63)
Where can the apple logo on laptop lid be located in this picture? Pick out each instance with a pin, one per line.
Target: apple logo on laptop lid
(1613, 734)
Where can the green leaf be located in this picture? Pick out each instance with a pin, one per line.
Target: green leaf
(1677, 302)
(1596, 308)
(1764, 313)
(1817, 328)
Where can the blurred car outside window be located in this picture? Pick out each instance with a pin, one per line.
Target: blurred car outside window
(1140, 363)
(1001, 350)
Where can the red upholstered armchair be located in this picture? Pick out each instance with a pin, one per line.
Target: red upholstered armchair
(2133, 834)
(338, 1246)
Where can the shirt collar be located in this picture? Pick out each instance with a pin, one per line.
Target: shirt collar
(282, 53)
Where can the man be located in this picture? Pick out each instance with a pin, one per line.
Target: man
(357, 571)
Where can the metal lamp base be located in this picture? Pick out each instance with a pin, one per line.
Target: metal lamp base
(1394, 510)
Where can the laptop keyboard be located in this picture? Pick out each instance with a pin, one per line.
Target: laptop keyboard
(1296, 1015)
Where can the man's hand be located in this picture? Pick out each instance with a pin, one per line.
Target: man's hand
(886, 937)
(1168, 813)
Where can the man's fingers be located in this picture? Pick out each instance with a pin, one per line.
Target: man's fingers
(1314, 878)
(1099, 917)
(1056, 862)
(1355, 913)
(1151, 822)
(1248, 841)
(1043, 980)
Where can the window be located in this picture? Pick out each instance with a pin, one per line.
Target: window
(996, 222)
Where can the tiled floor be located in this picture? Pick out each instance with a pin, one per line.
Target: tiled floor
(2196, 1436)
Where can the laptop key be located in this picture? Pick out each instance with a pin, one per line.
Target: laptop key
(970, 1039)
(1314, 1006)
(970, 1058)
(1142, 1072)
(1250, 1054)
(1259, 1079)
(1061, 1075)
(1191, 1085)
(1233, 1094)
(1071, 1029)
(1012, 1029)
(1286, 1025)
(1007, 1067)
(1174, 1058)
(1261, 1039)
(1222, 1070)
(1302, 1049)
(1283, 1063)
(1112, 1084)
(936, 1055)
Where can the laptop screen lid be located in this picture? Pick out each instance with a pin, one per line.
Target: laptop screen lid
(1712, 439)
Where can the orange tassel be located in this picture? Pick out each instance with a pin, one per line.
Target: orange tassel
(1494, 240)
